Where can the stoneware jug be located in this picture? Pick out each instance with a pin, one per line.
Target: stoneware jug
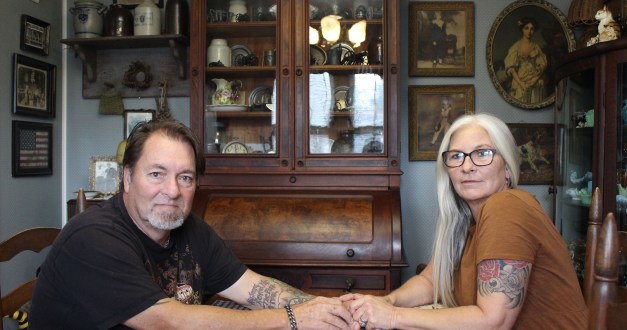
(226, 91)
(118, 21)
(88, 18)
(147, 19)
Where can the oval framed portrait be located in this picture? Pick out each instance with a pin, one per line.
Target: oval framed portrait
(524, 44)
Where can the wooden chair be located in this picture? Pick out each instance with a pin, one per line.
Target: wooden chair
(607, 302)
(33, 239)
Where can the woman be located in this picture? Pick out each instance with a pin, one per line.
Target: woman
(498, 261)
(525, 63)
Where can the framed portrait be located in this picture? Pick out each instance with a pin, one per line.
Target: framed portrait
(524, 44)
(536, 147)
(432, 109)
(134, 117)
(137, 2)
(31, 148)
(34, 87)
(104, 174)
(35, 35)
(441, 38)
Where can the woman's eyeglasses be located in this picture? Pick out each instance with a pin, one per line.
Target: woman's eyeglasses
(479, 157)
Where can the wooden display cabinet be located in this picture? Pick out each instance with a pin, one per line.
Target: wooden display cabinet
(591, 138)
(330, 134)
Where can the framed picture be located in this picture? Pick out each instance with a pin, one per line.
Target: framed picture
(432, 109)
(104, 174)
(441, 38)
(34, 87)
(134, 117)
(536, 146)
(35, 35)
(524, 44)
(137, 2)
(31, 148)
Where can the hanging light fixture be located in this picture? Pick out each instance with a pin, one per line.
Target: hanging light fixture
(314, 36)
(357, 33)
(331, 28)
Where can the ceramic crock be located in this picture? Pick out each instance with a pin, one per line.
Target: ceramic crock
(88, 18)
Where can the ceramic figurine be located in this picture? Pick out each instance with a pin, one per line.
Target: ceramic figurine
(608, 28)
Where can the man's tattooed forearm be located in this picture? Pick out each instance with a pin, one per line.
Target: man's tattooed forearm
(271, 293)
(506, 276)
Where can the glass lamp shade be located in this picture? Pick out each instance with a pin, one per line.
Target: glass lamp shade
(357, 33)
(331, 28)
(314, 36)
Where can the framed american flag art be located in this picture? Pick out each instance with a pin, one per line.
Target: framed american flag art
(32, 148)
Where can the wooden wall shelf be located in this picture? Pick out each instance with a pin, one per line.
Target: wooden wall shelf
(86, 49)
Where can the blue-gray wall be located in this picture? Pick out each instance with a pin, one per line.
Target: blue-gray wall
(34, 200)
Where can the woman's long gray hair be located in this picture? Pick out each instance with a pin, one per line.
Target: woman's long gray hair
(454, 215)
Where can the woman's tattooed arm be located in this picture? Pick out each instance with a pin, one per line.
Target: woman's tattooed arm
(506, 276)
(271, 293)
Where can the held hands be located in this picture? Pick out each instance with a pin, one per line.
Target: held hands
(369, 312)
(322, 313)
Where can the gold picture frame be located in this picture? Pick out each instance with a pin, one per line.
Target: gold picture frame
(536, 147)
(431, 110)
(441, 38)
(527, 84)
(104, 174)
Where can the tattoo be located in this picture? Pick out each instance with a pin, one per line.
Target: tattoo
(271, 293)
(506, 276)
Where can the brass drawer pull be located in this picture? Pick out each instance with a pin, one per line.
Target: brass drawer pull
(350, 283)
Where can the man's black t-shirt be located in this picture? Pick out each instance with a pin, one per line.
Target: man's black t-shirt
(102, 270)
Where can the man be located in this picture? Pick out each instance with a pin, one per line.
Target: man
(140, 260)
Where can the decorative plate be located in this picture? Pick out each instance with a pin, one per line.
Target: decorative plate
(239, 54)
(227, 107)
(346, 49)
(343, 99)
(259, 97)
(317, 55)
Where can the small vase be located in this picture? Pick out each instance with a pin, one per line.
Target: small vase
(118, 21)
(219, 51)
(147, 19)
(177, 17)
(345, 144)
(237, 7)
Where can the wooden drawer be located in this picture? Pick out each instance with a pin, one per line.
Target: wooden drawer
(333, 282)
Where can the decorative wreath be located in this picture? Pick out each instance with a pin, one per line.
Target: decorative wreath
(138, 76)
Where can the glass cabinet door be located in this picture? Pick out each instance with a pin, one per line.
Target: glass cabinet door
(621, 146)
(345, 107)
(240, 82)
(574, 135)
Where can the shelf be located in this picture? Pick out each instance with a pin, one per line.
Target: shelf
(86, 49)
(243, 114)
(241, 29)
(343, 69)
(241, 71)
